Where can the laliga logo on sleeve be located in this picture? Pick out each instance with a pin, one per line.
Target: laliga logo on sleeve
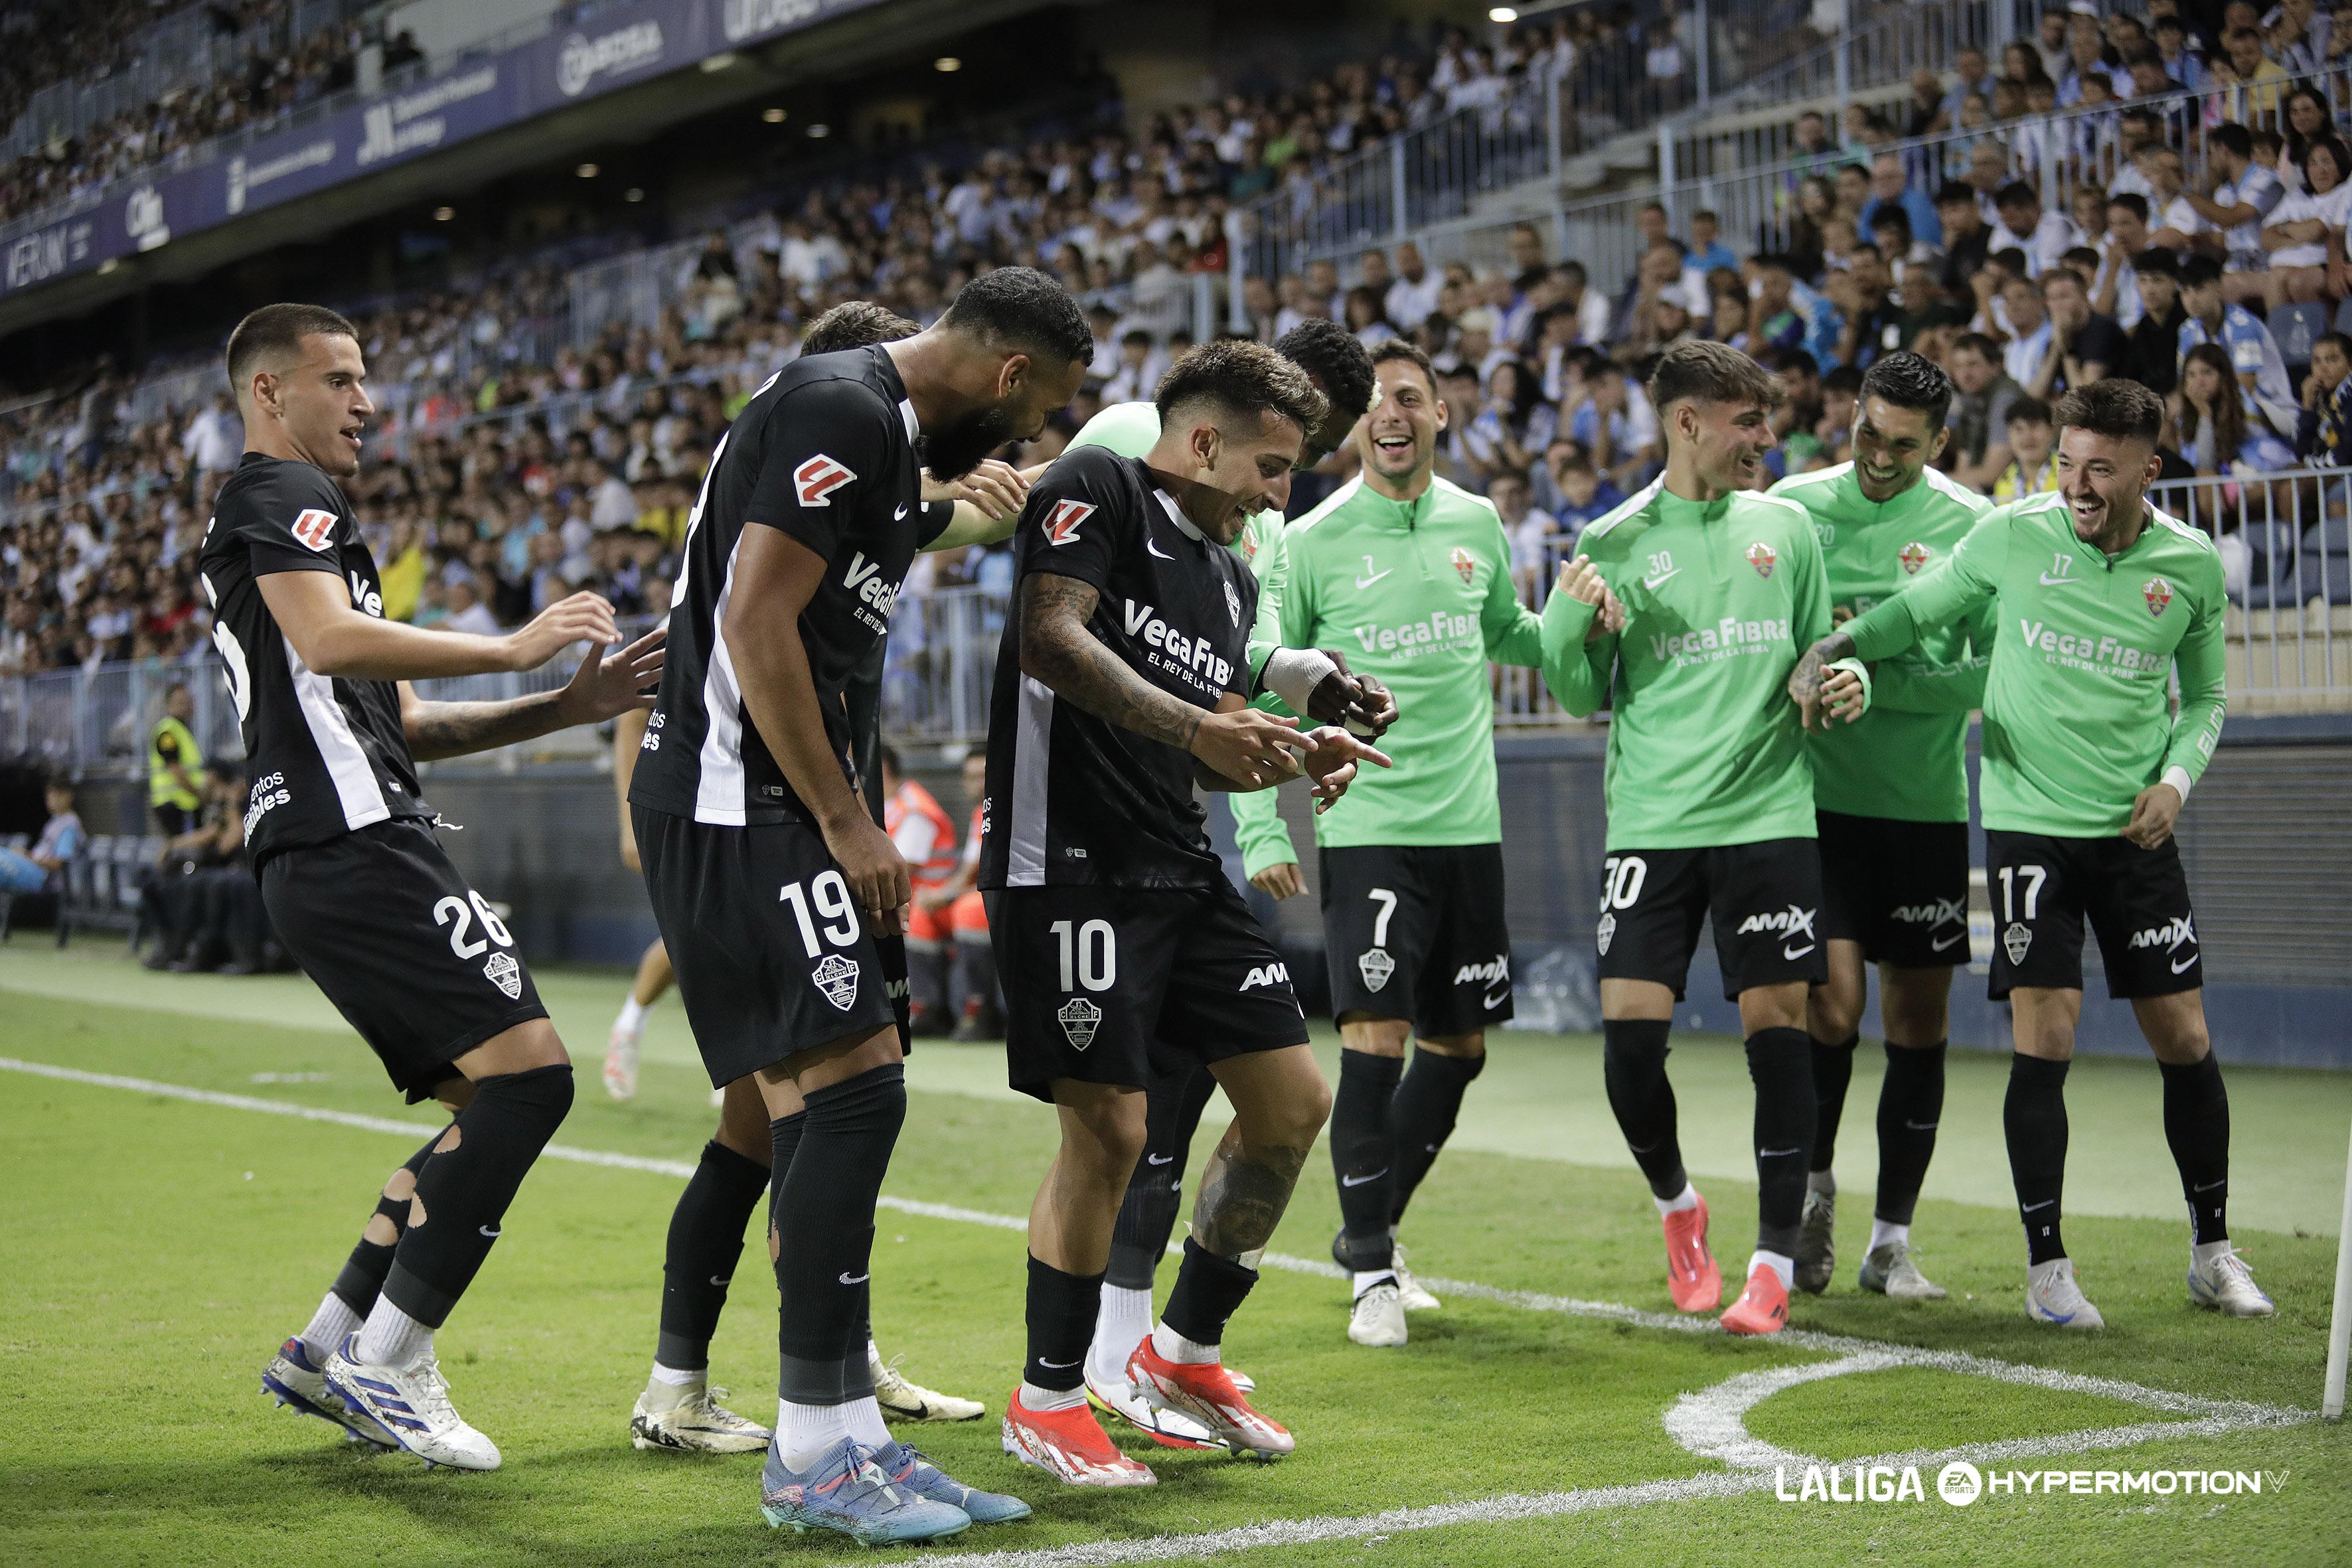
(2158, 593)
(1913, 556)
(1464, 566)
(1761, 556)
(1062, 523)
(316, 528)
(815, 481)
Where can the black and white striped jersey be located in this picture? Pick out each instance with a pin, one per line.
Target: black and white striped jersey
(1074, 799)
(325, 755)
(827, 452)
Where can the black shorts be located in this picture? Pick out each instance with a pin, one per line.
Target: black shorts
(1900, 889)
(2137, 901)
(412, 957)
(1764, 899)
(1417, 933)
(1096, 978)
(772, 953)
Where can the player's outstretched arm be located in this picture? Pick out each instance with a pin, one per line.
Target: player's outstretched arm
(603, 687)
(314, 612)
(1238, 747)
(988, 502)
(1580, 624)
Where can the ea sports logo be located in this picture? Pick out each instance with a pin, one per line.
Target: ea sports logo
(1958, 1483)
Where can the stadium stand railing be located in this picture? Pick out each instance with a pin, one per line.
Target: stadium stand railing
(1518, 150)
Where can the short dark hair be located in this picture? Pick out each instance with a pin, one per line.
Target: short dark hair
(1845, 378)
(2342, 342)
(2161, 260)
(1956, 192)
(276, 331)
(1134, 335)
(855, 324)
(1025, 310)
(2237, 139)
(2061, 275)
(1889, 215)
(1977, 343)
(1413, 353)
(2017, 193)
(1245, 380)
(2009, 259)
(1800, 361)
(2120, 409)
(1576, 267)
(1698, 371)
(2196, 271)
(2030, 410)
(2131, 202)
(1334, 356)
(1910, 381)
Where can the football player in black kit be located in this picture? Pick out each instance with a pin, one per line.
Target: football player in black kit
(355, 882)
(779, 897)
(1121, 685)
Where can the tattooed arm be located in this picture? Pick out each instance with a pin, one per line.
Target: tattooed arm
(1237, 748)
(601, 689)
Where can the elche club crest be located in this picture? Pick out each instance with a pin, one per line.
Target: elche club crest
(1762, 556)
(2158, 593)
(1605, 933)
(1233, 604)
(504, 972)
(838, 978)
(1079, 1019)
(1912, 556)
(1464, 566)
(1375, 965)
(2016, 940)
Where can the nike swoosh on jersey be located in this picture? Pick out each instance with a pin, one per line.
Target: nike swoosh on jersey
(1653, 582)
(899, 513)
(1368, 582)
(1359, 1181)
(2049, 582)
(1155, 549)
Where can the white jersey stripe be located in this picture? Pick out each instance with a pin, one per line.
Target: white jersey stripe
(347, 766)
(1033, 746)
(719, 797)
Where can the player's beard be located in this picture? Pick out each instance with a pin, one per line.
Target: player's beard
(956, 447)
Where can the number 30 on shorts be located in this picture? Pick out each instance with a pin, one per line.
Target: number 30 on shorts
(1621, 877)
(462, 941)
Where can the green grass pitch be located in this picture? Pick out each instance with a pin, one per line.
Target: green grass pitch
(154, 1249)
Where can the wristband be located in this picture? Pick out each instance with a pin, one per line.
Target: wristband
(1293, 673)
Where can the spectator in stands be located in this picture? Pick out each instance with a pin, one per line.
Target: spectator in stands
(2156, 337)
(1413, 295)
(2257, 76)
(203, 903)
(1982, 395)
(1583, 494)
(2084, 346)
(42, 869)
(2043, 237)
(1707, 250)
(2032, 465)
(2244, 192)
(2210, 318)
(1874, 319)
(175, 763)
(467, 613)
(1972, 76)
(1890, 188)
(2304, 232)
(2027, 357)
(2216, 436)
(2114, 285)
(1589, 305)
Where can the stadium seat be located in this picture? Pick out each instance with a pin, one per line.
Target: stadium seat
(2297, 328)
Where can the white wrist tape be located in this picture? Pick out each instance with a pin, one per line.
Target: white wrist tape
(1293, 673)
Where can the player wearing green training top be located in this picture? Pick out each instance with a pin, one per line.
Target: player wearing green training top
(1335, 362)
(1891, 794)
(1412, 576)
(1710, 797)
(2101, 599)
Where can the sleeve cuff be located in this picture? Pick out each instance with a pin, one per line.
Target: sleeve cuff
(2177, 777)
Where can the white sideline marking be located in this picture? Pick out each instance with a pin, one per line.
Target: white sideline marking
(1710, 1422)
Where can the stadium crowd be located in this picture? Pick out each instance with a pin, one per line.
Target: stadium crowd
(512, 468)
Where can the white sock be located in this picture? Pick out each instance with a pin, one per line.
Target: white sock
(1043, 1400)
(873, 1353)
(1121, 1321)
(805, 1432)
(391, 1338)
(328, 1325)
(631, 1020)
(1885, 1233)
(1368, 1277)
(2204, 1252)
(672, 1377)
(1781, 1263)
(865, 1420)
(1173, 1346)
(1685, 1199)
(1821, 1182)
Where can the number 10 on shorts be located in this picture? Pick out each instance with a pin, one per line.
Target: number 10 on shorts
(1091, 957)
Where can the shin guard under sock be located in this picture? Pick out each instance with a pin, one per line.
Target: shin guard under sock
(706, 1238)
(1155, 1191)
(823, 1226)
(1910, 1107)
(1061, 1321)
(2033, 1117)
(1832, 1070)
(464, 1190)
(1634, 1068)
(2196, 1126)
(1208, 1290)
(1364, 1159)
(361, 1279)
(1421, 1114)
(1779, 1063)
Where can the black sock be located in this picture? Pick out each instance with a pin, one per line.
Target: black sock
(1832, 1070)
(1208, 1290)
(466, 1191)
(824, 1225)
(2034, 1119)
(1364, 1158)
(1421, 1114)
(361, 1279)
(1780, 1064)
(1634, 1068)
(1061, 1318)
(857, 1370)
(1155, 1192)
(706, 1238)
(2197, 1125)
(1910, 1104)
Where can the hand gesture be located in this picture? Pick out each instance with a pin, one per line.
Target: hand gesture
(996, 488)
(1250, 748)
(1359, 702)
(875, 870)
(1581, 580)
(1331, 762)
(2153, 811)
(607, 686)
(583, 617)
(1281, 879)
